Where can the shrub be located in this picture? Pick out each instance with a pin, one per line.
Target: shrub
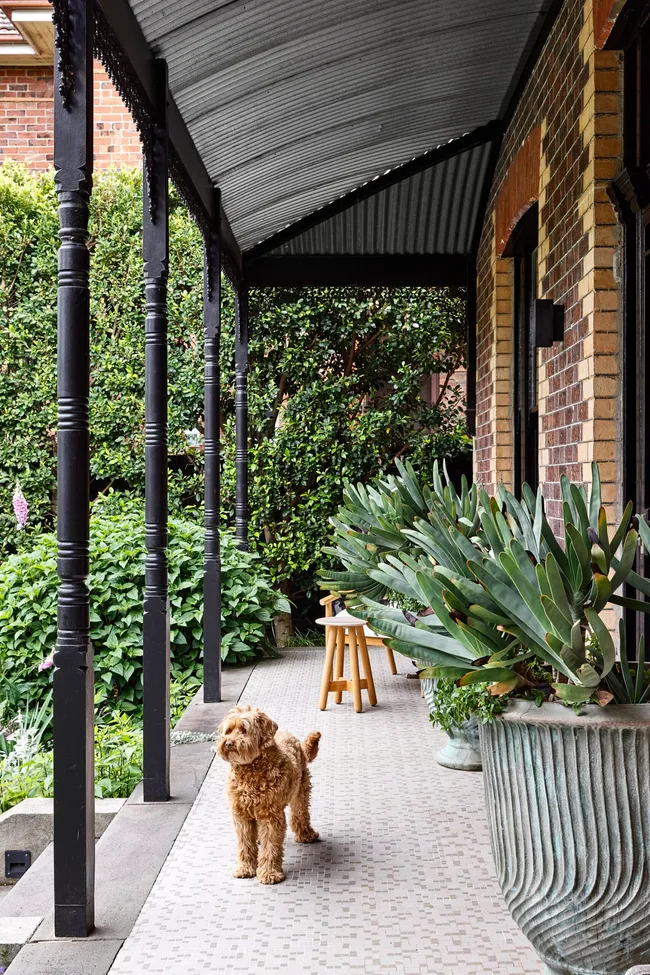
(28, 586)
(118, 765)
(453, 705)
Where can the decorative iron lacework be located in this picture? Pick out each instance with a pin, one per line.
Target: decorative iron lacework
(192, 201)
(108, 50)
(62, 32)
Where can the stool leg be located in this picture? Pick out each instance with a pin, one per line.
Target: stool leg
(367, 671)
(338, 666)
(354, 667)
(330, 644)
(391, 660)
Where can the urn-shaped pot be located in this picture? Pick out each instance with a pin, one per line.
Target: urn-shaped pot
(568, 800)
(463, 748)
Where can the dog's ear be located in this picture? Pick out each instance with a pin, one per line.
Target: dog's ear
(267, 728)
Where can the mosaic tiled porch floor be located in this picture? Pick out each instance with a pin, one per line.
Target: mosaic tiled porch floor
(402, 881)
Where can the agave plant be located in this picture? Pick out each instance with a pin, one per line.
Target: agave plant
(520, 611)
(372, 527)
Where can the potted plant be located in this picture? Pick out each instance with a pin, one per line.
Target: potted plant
(369, 534)
(458, 711)
(567, 764)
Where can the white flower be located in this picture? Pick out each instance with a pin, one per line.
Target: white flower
(193, 437)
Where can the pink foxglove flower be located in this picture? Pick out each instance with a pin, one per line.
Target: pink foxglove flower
(21, 508)
(45, 664)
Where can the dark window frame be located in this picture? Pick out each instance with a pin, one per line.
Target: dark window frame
(522, 248)
(630, 193)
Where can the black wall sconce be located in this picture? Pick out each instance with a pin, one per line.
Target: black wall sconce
(549, 323)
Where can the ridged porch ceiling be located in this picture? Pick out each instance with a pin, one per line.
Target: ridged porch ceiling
(295, 103)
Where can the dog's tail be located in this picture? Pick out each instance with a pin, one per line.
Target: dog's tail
(310, 745)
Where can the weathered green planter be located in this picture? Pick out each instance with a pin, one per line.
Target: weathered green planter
(463, 748)
(568, 801)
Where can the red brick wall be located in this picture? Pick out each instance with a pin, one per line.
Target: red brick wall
(605, 14)
(26, 120)
(519, 189)
(573, 96)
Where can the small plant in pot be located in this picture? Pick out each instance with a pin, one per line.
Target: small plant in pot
(567, 764)
(458, 711)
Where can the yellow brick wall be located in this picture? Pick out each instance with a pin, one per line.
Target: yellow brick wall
(579, 381)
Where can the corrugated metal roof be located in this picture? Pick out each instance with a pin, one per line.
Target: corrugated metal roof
(431, 212)
(292, 103)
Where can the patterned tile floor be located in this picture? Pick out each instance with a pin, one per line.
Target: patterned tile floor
(401, 882)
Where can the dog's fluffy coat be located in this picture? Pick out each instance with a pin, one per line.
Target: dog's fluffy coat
(268, 772)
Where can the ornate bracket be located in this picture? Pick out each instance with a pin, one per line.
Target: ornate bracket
(62, 38)
(109, 51)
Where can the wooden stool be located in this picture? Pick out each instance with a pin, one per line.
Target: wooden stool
(341, 630)
(372, 640)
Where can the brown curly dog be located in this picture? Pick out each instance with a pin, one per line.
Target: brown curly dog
(268, 771)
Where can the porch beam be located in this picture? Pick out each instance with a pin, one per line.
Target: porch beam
(156, 667)
(135, 48)
(350, 270)
(241, 417)
(74, 785)
(212, 560)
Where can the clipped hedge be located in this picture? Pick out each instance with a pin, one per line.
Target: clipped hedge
(335, 378)
(28, 587)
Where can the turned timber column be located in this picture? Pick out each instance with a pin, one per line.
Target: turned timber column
(241, 417)
(156, 598)
(74, 786)
(212, 560)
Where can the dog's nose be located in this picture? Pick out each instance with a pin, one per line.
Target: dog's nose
(230, 744)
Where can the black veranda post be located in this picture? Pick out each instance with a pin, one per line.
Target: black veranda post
(212, 563)
(74, 787)
(156, 665)
(241, 418)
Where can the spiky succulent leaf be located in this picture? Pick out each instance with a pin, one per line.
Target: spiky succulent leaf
(604, 637)
(595, 499)
(626, 561)
(573, 693)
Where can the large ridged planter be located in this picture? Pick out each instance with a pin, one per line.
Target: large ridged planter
(568, 801)
(463, 749)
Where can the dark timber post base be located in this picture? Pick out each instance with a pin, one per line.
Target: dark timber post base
(241, 417)
(212, 561)
(74, 785)
(156, 599)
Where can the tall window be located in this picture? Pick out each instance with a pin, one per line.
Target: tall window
(522, 248)
(631, 193)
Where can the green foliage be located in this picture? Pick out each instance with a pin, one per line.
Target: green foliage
(453, 705)
(512, 599)
(28, 249)
(21, 734)
(181, 692)
(334, 386)
(28, 585)
(372, 527)
(334, 382)
(118, 757)
(118, 765)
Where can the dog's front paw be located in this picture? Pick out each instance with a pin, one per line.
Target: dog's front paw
(245, 870)
(307, 836)
(266, 876)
